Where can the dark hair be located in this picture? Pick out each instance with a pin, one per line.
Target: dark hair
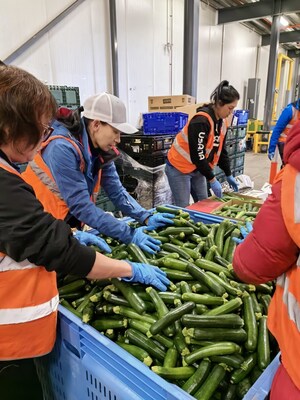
(70, 119)
(224, 94)
(24, 100)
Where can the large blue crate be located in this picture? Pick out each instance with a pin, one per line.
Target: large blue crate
(86, 365)
(164, 123)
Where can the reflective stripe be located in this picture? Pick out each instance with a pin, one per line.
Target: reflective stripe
(283, 135)
(181, 151)
(8, 264)
(293, 307)
(184, 137)
(297, 199)
(27, 314)
(44, 178)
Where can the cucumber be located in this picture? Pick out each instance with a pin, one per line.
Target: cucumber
(200, 275)
(164, 209)
(171, 317)
(232, 360)
(263, 346)
(176, 275)
(68, 306)
(170, 360)
(172, 248)
(137, 352)
(195, 381)
(136, 253)
(203, 299)
(161, 309)
(213, 267)
(206, 321)
(114, 299)
(226, 308)
(140, 340)
(239, 374)
(174, 373)
(101, 324)
(211, 383)
(131, 313)
(71, 287)
(144, 327)
(216, 349)
(130, 295)
(250, 323)
(237, 335)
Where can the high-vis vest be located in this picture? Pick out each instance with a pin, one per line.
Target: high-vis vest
(285, 132)
(38, 175)
(179, 153)
(28, 306)
(284, 310)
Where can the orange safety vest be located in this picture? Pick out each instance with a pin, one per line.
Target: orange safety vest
(28, 305)
(284, 310)
(179, 153)
(285, 132)
(38, 175)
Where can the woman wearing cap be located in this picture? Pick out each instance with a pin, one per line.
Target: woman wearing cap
(77, 159)
(200, 147)
(33, 244)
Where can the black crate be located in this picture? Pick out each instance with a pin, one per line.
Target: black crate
(239, 160)
(141, 144)
(238, 171)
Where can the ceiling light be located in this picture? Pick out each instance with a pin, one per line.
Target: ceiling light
(284, 21)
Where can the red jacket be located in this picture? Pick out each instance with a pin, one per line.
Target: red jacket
(268, 251)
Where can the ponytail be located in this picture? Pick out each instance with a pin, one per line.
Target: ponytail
(224, 94)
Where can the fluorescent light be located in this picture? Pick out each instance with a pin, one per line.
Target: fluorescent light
(284, 21)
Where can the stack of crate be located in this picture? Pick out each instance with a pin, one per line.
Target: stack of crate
(141, 168)
(235, 146)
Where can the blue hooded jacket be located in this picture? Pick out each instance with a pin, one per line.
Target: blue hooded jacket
(282, 122)
(76, 187)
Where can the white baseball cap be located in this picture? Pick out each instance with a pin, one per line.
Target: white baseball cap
(107, 108)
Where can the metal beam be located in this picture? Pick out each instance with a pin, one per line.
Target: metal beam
(293, 53)
(114, 46)
(284, 37)
(271, 72)
(257, 10)
(190, 56)
(25, 46)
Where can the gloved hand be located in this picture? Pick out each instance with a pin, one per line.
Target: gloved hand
(216, 187)
(148, 275)
(160, 219)
(145, 242)
(271, 155)
(244, 232)
(86, 238)
(233, 183)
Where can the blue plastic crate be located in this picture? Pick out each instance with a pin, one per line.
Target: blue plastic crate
(164, 123)
(240, 117)
(86, 365)
(262, 386)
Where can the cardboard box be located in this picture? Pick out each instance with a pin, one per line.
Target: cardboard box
(190, 109)
(169, 103)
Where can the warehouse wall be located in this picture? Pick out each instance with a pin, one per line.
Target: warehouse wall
(76, 52)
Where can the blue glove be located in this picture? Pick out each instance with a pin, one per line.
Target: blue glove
(233, 183)
(145, 242)
(160, 219)
(148, 275)
(86, 238)
(244, 232)
(216, 188)
(271, 155)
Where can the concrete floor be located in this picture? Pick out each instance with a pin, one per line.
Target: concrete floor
(257, 166)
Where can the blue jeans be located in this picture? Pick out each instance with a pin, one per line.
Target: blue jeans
(184, 185)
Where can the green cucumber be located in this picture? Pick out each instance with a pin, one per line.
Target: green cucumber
(174, 373)
(200, 275)
(101, 324)
(130, 295)
(263, 345)
(140, 340)
(199, 376)
(137, 352)
(216, 349)
(237, 335)
(239, 374)
(226, 308)
(210, 385)
(250, 323)
(207, 321)
(170, 360)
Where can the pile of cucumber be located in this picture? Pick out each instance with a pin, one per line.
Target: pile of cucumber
(244, 212)
(207, 334)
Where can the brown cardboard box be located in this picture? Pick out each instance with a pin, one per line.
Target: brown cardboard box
(169, 103)
(190, 109)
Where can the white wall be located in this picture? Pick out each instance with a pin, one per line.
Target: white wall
(76, 52)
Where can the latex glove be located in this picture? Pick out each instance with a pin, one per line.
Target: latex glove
(216, 188)
(86, 238)
(144, 241)
(158, 220)
(233, 183)
(271, 155)
(244, 232)
(149, 275)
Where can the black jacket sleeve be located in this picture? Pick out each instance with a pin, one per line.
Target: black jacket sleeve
(224, 161)
(27, 232)
(198, 132)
